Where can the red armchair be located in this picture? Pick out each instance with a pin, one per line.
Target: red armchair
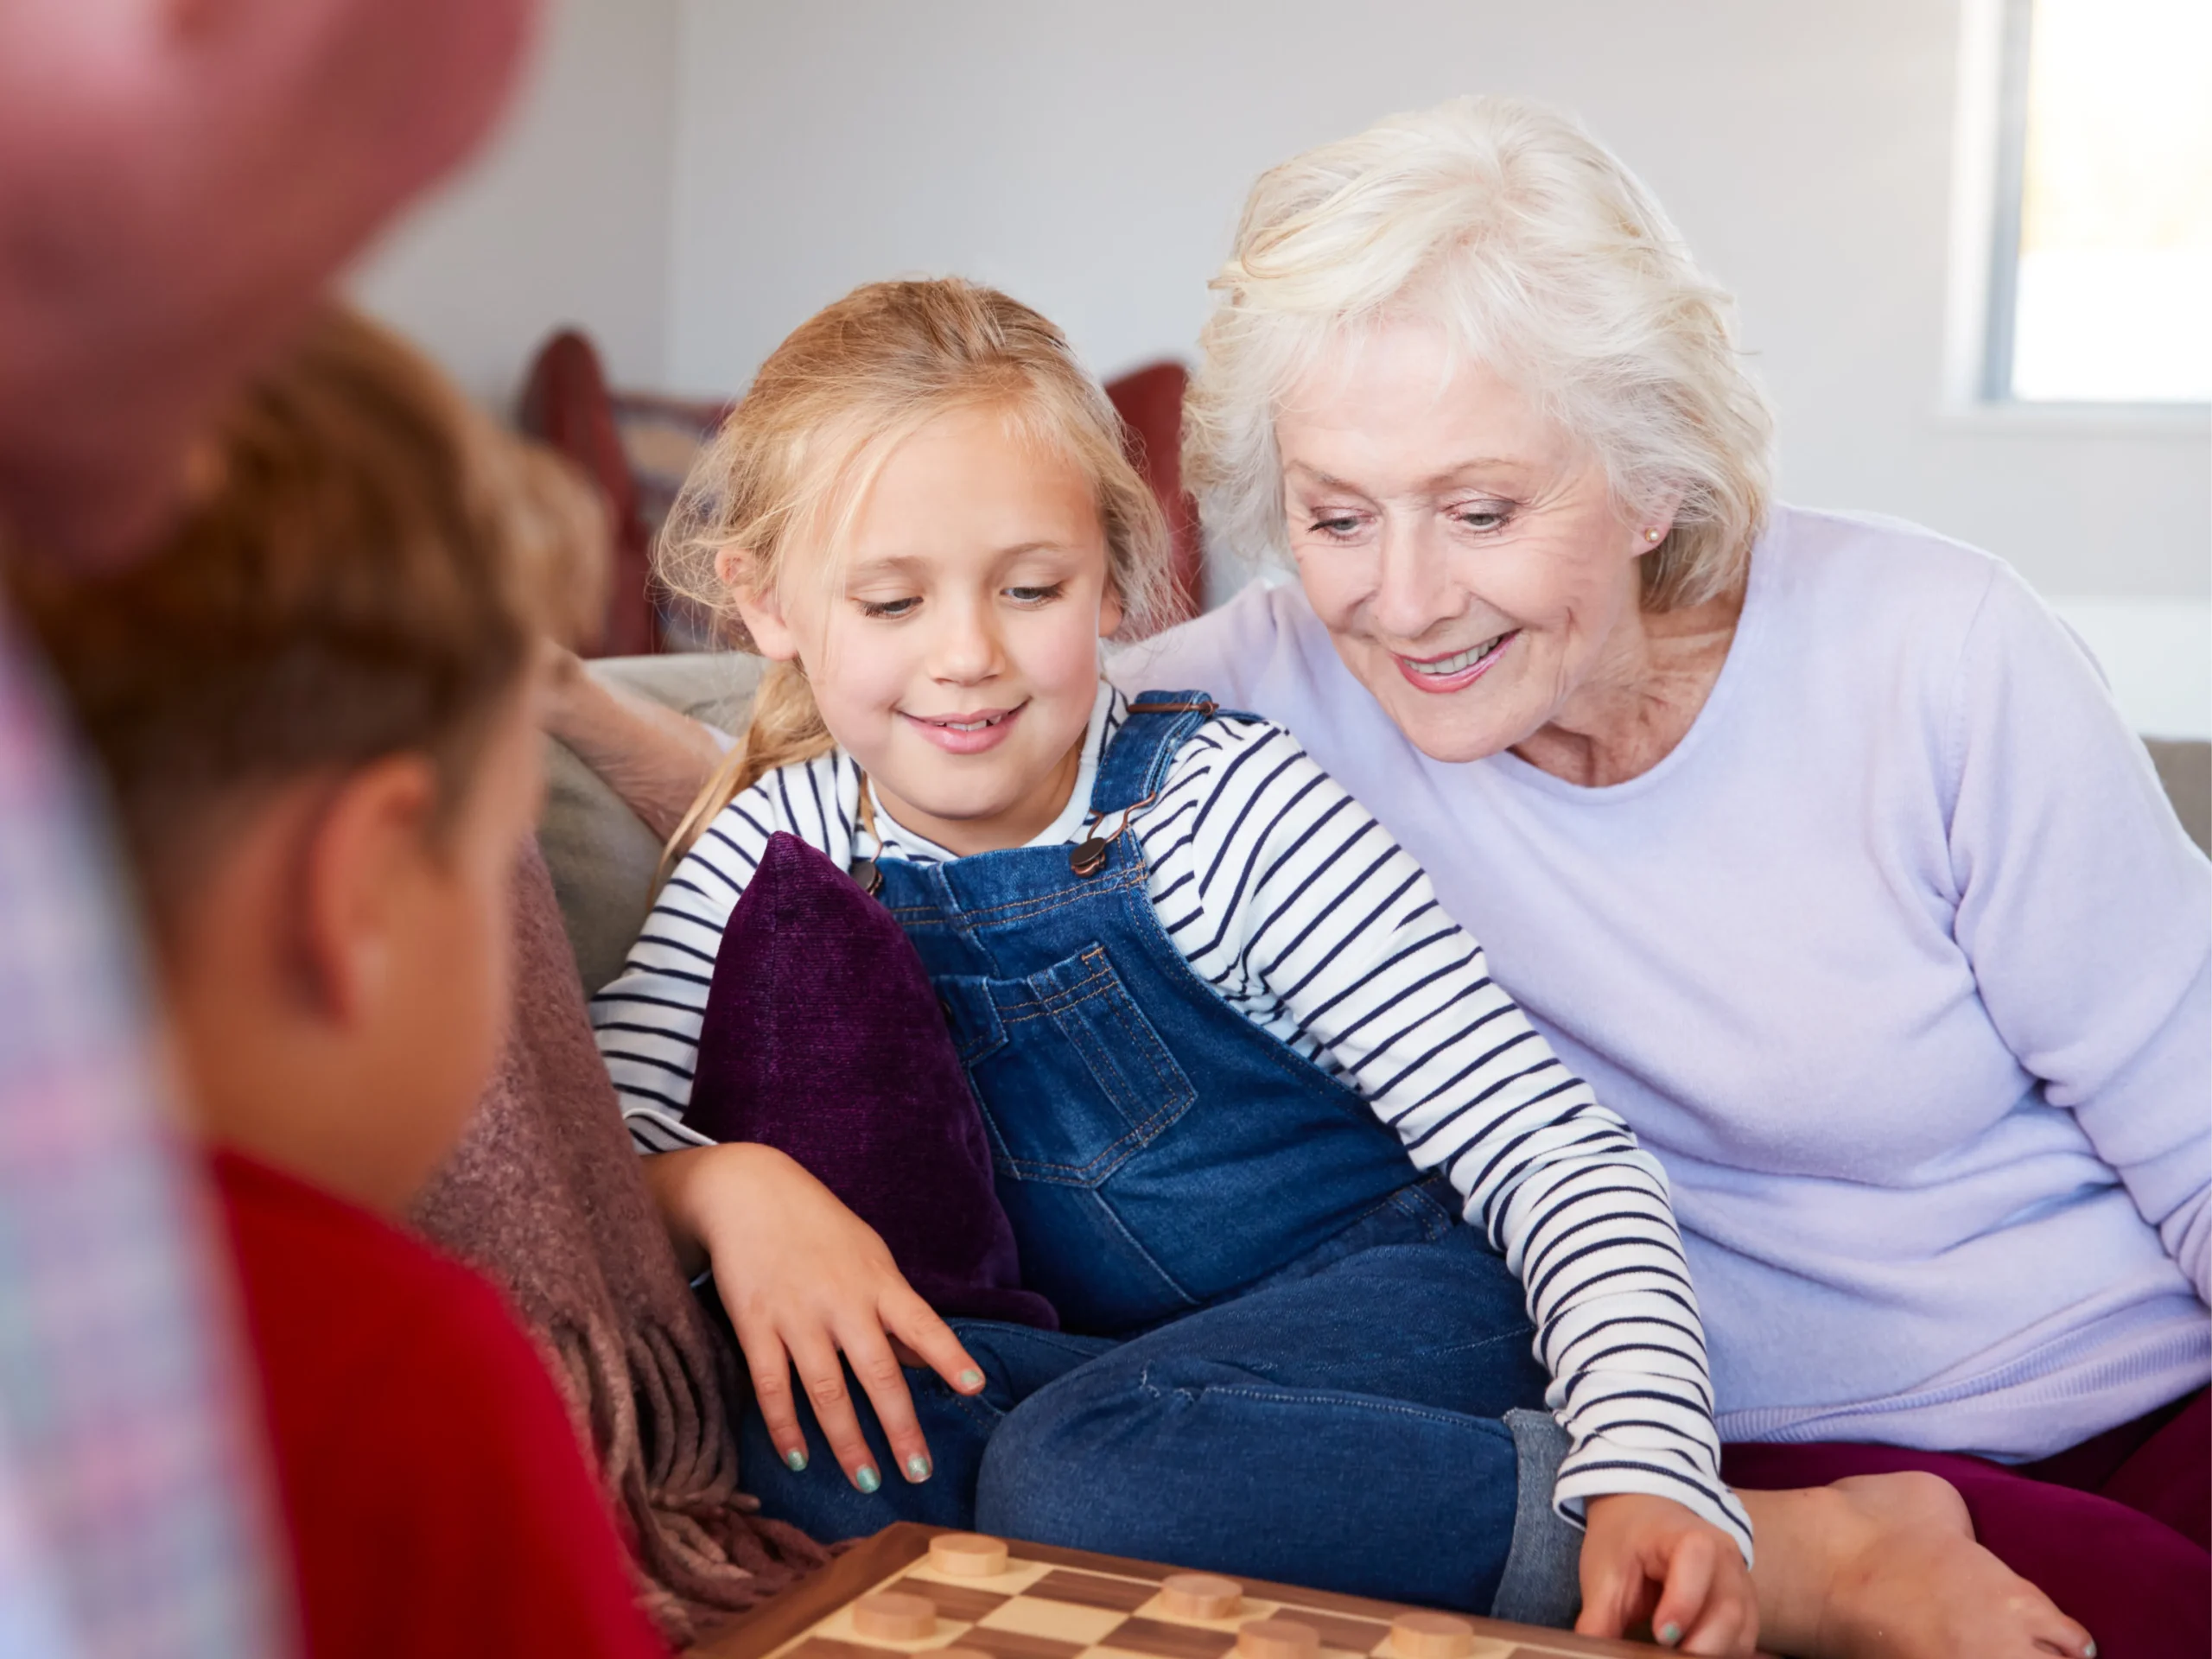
(1150, 403)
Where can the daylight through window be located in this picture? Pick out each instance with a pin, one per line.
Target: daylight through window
(2101, 288)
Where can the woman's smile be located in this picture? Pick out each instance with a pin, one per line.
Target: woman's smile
(1457, 671)
(1549, 566)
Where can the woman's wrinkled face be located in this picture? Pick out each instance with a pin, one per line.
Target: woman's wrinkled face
(1465, 554)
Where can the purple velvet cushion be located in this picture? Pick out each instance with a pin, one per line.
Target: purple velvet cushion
(823, 1039)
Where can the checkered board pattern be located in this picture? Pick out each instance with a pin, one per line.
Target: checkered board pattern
(1066, 1603)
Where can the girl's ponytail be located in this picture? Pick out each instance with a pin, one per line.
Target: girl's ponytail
(785, 729)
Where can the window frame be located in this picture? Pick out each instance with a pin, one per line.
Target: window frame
(2008, 183)
(1988, 184)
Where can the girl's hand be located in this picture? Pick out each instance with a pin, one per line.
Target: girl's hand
(1650, 1558)
(804, 1279)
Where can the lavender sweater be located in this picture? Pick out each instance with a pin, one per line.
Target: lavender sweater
(1900, 962)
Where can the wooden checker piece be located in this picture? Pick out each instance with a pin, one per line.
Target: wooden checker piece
(967, 1555)
(1040, 1601)
(895, 1616)
(1200, 1595)
(1431, 1636)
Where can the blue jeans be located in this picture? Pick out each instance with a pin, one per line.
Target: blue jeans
(1342, 1428)
(1297, 1363)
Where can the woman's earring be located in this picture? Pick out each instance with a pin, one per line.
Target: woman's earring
(1650, 535)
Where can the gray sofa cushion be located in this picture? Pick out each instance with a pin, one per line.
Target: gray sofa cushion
(602, 855)
(2185, 768)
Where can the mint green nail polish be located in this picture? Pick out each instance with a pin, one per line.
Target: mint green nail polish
(866, 1479)
(2090, 1652)
(796, 1460)
(1670, 1634)
(918, 1467)
(971, 1378)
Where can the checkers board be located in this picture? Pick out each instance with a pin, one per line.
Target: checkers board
(1070, 1603)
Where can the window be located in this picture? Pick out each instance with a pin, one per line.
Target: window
(2100, 279)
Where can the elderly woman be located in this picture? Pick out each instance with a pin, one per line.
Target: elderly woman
(1746, 804)
(1815, 843)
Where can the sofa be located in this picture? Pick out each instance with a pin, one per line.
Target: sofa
(603, 859)
(638, 447)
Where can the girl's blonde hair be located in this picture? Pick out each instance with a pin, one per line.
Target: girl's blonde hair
(786, 476)
(1538, 254)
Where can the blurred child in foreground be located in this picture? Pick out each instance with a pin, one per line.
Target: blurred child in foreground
(316, 705)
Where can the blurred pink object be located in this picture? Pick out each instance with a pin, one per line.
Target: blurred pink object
(178, 180)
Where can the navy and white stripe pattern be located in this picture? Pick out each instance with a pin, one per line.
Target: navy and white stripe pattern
(1296, 906)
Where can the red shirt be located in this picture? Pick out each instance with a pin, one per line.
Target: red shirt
(437, 1499)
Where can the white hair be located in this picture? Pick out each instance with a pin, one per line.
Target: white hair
(1540, 256)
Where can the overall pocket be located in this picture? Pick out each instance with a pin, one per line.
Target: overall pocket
(1072, 1076)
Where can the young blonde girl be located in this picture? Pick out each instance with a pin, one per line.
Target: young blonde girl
(1242, 1076)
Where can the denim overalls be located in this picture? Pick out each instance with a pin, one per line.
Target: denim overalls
(1155, 1150)
(1284, 1356)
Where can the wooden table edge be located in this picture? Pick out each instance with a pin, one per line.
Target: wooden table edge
(820, 1593)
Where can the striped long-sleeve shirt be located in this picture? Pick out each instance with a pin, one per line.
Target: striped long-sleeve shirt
(1288, 897)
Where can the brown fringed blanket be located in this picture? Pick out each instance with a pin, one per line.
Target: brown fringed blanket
(545, 1197)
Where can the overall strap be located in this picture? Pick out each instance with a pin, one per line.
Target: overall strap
(1135, 763)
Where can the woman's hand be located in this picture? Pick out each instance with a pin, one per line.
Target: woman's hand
(655, 759)
(804, 1280)
(1651, 1558)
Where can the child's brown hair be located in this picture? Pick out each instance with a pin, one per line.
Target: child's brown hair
(788, 469)
(363, 568)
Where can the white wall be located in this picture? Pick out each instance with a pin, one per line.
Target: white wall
(564, 220)
(2157, 655)
(1091, 160)
(688, 179)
